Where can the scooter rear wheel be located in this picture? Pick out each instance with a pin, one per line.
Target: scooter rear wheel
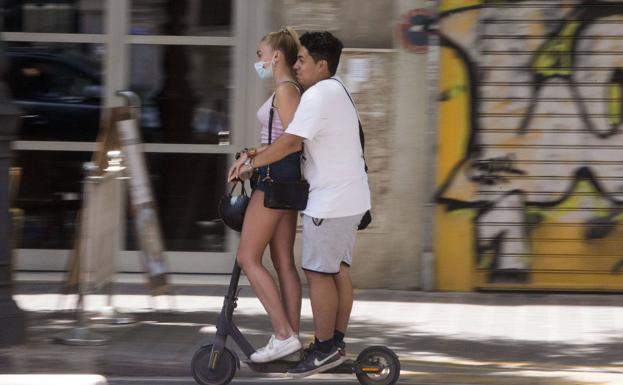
(221, 374)
(377, 365)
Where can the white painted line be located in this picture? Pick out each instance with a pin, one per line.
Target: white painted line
(52, 379)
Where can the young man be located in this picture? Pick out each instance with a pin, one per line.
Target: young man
(326, 122)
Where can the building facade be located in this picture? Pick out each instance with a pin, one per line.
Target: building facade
(492, 129)
(190, 61)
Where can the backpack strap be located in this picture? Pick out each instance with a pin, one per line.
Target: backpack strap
(362, 139)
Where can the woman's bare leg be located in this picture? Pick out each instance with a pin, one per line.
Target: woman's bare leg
(258, 228)
(282, 254)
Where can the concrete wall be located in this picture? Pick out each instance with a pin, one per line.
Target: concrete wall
(358, 23)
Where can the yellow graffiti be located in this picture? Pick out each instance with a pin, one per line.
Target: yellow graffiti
(455, 247)
(555, 57)
(454, 117)
(457, 5)
(615, 103)
(573, 244)
(454, 250)
(576, 200)
(452, 92)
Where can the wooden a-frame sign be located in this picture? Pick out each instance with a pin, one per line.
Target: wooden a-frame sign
(119, 132)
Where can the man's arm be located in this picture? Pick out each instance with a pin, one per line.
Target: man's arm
(307, 121)
(285, 145)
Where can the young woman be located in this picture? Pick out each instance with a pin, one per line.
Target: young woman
(277, 53)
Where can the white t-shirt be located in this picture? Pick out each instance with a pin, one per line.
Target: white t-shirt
(333, 161)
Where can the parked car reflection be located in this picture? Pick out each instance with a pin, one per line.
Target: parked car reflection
(59, 94)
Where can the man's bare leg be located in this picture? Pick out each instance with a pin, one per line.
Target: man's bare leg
(344, 287)
(323, 296)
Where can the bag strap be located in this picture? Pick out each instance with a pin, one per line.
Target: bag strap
(243, 191)
(271, 114)
(362, 139)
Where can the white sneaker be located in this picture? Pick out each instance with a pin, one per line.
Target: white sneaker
(276, 349)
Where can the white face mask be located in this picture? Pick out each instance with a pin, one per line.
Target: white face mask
(264, 73)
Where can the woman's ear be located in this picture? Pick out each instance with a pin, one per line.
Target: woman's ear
(277, 56)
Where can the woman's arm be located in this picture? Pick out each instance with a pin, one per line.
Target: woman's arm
(287, 98)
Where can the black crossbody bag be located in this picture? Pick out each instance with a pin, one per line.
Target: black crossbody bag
(289, 195)
(367, 217)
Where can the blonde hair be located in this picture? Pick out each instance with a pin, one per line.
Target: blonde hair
(285, 40)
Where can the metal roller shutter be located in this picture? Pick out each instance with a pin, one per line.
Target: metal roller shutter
(530, 160)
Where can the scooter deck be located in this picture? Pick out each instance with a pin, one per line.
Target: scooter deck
(281, 366)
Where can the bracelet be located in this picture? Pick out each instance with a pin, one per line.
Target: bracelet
(251, 152)
(248, 162)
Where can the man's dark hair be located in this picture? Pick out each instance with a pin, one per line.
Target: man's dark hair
(323, 46)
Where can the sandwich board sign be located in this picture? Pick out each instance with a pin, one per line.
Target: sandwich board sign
(143, 207)
(97, 240)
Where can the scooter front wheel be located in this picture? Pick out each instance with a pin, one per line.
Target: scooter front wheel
(221, 374)
(377, 365)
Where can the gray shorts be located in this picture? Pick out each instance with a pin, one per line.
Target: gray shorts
(328, 242)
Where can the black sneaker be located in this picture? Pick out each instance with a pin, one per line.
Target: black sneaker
(341, 347)
(309, 350)
(316, 361)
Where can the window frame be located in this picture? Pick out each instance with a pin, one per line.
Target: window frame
(249, 23)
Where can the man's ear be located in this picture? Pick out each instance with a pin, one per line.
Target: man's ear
(323, 65)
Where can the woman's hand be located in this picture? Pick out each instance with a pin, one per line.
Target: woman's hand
(234, 171)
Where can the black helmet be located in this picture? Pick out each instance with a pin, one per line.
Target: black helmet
(232, 207)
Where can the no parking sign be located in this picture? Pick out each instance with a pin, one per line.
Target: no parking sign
(414, 29)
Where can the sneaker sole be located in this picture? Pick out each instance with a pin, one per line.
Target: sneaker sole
(320, 369)
(286, 353)
(292, 357)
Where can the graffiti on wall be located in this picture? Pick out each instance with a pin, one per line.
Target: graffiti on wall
(531, 132)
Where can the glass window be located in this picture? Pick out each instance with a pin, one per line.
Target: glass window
(187, 189)
(57, 16)
(185, 92)
(50, 193)
(175, 17)
(58, 88)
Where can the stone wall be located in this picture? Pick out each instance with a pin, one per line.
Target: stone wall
(358, 23)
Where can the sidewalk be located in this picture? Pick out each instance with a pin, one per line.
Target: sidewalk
(441, 338)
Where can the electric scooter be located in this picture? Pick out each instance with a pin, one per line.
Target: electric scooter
(215, 364)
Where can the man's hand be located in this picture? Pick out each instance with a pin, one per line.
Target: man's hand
(285, 145)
